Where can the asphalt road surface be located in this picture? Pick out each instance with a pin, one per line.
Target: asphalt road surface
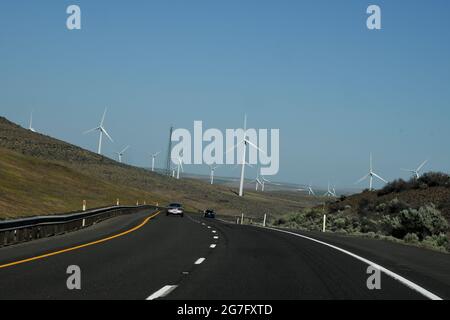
(193, 258)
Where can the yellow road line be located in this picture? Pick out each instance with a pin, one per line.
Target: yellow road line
(51, 254)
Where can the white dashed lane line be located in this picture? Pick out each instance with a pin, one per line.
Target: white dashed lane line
(161, 293)
(200, 261)
(166, 290)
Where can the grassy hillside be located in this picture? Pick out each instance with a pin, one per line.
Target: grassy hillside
(31, 186)
(40, 174)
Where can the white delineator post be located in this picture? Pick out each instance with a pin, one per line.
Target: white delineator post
(212, 176)
(324, 222)
(242, 219)
(118, 202)
(264, 222)
(84, 205)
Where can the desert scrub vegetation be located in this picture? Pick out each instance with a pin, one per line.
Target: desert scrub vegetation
(393, 220)
(428, 180)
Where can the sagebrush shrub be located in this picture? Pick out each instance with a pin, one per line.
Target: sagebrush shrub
(426, 221)
(411, 238)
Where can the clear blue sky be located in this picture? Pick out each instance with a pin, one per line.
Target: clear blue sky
(336, 90)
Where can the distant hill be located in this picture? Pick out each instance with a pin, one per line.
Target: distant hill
(40, 174)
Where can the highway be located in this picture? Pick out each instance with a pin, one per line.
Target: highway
(151, 256)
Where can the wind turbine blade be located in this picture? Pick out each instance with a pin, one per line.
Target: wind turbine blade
(255, 146)
(103, 118)
(245, 123)
(362, 179)
(91, 130)
(421, 166)
(234, 147)
(407, 170)
(123, 151)
(375, 175)
(106, 133)
(371, 162)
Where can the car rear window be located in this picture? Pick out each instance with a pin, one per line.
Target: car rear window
(175, 205)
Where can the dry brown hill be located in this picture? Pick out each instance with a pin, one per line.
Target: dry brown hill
(46, 175)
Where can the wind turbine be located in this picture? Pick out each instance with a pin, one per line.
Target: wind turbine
(258, 182)
(246, 142)
(263, 182)
(370, 175)
(330, 192)
(121, 153)
(310, 190)
(334, 192)
(154, 155)
(179, 166)
(212, 171)
(416, 172)
(101, 129)
(30, 127)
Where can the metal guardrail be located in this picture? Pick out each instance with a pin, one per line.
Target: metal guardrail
(27, 229)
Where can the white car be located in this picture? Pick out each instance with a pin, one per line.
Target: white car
(175, 209)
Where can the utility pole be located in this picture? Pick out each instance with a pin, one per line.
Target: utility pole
(169, 153)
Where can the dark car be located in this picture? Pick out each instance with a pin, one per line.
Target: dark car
(175, 209)
(209, 213)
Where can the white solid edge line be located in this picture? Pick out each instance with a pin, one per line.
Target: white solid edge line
(213, 246)
(390, 273)
(164, 291)
(200, 261)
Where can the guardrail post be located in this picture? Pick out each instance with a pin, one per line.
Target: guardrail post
(84, 205)
(324, 222)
